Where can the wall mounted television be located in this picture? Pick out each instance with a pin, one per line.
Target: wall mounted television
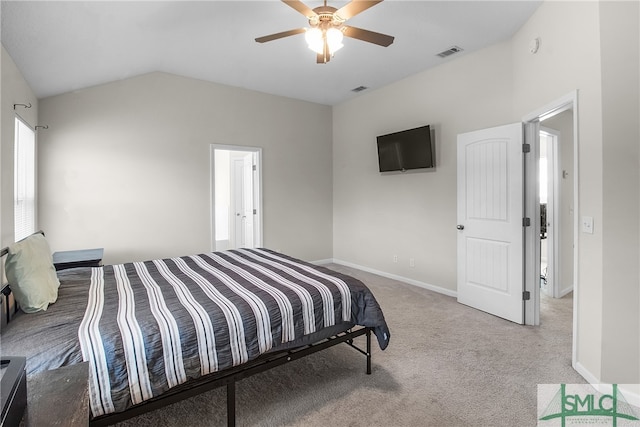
(405, 150)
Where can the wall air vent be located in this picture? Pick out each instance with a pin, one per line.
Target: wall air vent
(359, 89)
(450, 51)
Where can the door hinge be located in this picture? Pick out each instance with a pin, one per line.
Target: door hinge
(253, 167)
(526, 148)
(526, 222)
(526, 296)
(255, 211)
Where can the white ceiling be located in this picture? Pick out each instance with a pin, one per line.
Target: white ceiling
(61, 46)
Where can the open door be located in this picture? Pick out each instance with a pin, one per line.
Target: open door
(490, 221)
(236, 201)
(242, 196)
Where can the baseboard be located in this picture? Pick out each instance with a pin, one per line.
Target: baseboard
(631, 396)
(566, 291)
(413, 282)
(323, 261)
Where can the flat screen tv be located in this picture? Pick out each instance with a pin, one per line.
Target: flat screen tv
(408, 149)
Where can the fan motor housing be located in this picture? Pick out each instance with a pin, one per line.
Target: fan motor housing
(325, 14)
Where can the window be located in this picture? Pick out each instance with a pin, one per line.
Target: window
(24, 180)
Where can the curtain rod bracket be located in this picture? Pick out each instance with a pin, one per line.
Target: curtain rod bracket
(42, 127)
(22, 105)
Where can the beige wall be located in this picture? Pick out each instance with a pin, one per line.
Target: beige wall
(14, 91)
(569, 59)
(414, 215)
(621, 207)
(581, 50)
(125, 166)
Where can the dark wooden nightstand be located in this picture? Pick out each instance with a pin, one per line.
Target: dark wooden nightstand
(80, 258)
(59, 397)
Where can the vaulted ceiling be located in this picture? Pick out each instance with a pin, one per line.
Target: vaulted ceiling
(61, 46)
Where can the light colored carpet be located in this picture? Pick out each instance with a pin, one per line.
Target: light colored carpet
(446, 365)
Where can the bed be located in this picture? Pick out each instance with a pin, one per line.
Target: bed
(159, 331)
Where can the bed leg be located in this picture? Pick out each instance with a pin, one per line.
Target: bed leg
(368, 351)
(231, 404)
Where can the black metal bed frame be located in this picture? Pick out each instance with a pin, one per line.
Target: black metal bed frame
(230, 376)
(227, 378)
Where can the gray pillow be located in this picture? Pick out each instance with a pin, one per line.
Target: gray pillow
(31, 274)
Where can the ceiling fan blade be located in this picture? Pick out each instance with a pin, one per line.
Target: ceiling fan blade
(350, 10)
(300, 7)
(280, 35)
(368, 36)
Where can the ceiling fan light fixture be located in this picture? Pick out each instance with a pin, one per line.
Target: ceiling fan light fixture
(334, 40)
(327, 30)
(314, 39)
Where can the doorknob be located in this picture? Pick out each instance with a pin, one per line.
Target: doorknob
(460, 227)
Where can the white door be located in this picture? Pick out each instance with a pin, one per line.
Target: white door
(248, 198)
(236, 219)
(243, 201)
(490, 221)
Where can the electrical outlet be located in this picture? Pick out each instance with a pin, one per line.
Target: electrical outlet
(412, 262)
(395, 258)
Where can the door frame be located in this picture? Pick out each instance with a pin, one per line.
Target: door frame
(532, 122)
(258, 203)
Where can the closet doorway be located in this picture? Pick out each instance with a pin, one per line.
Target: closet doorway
(236, 201)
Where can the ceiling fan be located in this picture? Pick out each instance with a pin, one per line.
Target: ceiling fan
(327, 27)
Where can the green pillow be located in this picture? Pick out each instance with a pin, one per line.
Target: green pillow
(31, 274)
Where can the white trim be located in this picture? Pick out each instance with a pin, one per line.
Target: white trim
(568, 101)
(434, 288)
(563, 292)
(632, 397)
(323, 261)
(591, 379)
(551, 109)
(532, 233)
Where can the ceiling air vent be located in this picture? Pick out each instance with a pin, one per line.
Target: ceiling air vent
(450, 51)
(359, 89)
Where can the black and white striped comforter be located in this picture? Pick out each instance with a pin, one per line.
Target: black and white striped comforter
(150, 326)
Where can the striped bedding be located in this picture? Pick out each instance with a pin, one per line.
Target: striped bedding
(151, 326)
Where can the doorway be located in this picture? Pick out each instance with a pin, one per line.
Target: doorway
(560, 116)
(556, 205)
(236, 201)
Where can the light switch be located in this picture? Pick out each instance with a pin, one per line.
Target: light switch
(587, 224)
